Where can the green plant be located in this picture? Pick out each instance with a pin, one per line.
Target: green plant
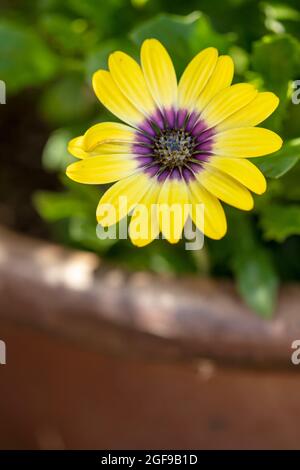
(68, 41)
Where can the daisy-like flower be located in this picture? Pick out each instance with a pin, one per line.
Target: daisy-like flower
(184, 144)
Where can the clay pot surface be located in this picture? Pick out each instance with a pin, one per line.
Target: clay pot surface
(99, 357)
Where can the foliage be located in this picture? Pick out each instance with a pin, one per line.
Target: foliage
(54, 47)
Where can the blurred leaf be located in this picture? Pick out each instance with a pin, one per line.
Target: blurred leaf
(277, 58)
(72, 214)
(25, 60)
(55, 206)
(55, 155)
(276, 14)
(67, 101)
(82, 231)
(173, 31)
(77, 199)
(279, 221)
(290, 188)
(139, 3)
(281, 12)
(66, 34)
(291, 123)
(97, 58)
(89, 193)
(183, 36)
(279, 163)
(159, 257)
(257, 280)
(204, 35)
(252, 264)
(240, 58)
(110, 17)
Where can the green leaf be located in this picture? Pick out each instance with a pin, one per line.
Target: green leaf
(73, 219)
(252, 265)
(82, 231)
(160, 256)
(66, 34)
(281, 12)
(110, 18)
(276, 165)
(97, 58)
(279, 221)
(240, 59)
(276, 15)
(290, 188)
(56, 206)
(257, 280)
(89, 193)
(68, 101)
(184, 36)
(25, 60)
(55, 155)
(276, 58)
(204, 35)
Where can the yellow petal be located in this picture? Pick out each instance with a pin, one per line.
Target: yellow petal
(173, 204)
(144, 224)
(121, 198)
(159, 73)
(113, 99)
(111, 148)
(253, 113)
(106, 137)
(195, 76)
(129, 77)
(242, 170)
(227, 102)
(102, 169)
(107, 132)
(246, 142)
(76, 147)
(221, 78)
(215, 225)
(226, 188)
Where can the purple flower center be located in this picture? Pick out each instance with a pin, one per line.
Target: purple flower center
(173, 148)
(173, 143)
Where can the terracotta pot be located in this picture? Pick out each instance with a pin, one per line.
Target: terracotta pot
(98, 357)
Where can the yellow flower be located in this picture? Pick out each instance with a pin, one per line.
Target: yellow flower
(183, 144)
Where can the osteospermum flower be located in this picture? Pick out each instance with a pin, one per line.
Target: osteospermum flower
(183, 144)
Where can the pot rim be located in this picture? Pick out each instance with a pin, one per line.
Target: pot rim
(75, 295)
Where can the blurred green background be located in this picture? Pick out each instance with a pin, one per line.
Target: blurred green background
(49, 50)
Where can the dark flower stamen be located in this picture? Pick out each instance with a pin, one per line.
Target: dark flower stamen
(180, 150)
(173, 148)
